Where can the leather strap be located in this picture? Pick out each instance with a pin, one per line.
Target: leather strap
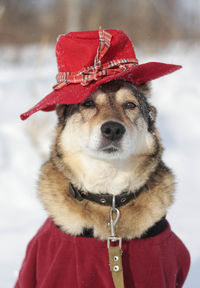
(104, 199)
(115, 261)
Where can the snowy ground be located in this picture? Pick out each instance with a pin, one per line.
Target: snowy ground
(26, 75)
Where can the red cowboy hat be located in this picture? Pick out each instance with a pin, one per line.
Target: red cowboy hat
(90, 58)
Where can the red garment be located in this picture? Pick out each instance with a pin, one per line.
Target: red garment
(55, 259)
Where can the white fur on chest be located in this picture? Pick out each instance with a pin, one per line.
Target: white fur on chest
(98, 176)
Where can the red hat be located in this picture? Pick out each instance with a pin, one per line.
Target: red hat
(88, 59)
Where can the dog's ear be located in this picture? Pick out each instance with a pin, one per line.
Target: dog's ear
(61, 111)
(153, 113)
(145, 88)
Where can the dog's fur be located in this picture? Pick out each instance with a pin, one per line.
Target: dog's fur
(81, 155)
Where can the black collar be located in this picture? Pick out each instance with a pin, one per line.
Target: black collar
(104, 199)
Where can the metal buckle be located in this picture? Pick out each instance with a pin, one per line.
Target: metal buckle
(114, 239)
(113, 223)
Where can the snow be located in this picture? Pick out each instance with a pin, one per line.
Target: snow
(26, 75)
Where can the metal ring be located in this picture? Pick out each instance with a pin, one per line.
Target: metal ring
(113, 202)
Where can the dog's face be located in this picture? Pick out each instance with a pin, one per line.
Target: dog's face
(114, 122)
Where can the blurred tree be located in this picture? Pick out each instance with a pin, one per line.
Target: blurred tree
(73, 13)
(153, 21)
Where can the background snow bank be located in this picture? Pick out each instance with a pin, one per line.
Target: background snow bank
(25, 77)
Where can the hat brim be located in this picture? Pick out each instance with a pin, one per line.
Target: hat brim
(76, 93)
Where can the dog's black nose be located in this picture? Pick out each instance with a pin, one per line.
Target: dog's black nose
(113, 130)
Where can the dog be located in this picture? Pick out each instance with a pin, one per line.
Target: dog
(108, 144)
(105, 180)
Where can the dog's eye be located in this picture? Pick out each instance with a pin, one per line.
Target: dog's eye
(89, 103)
(129, 105)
